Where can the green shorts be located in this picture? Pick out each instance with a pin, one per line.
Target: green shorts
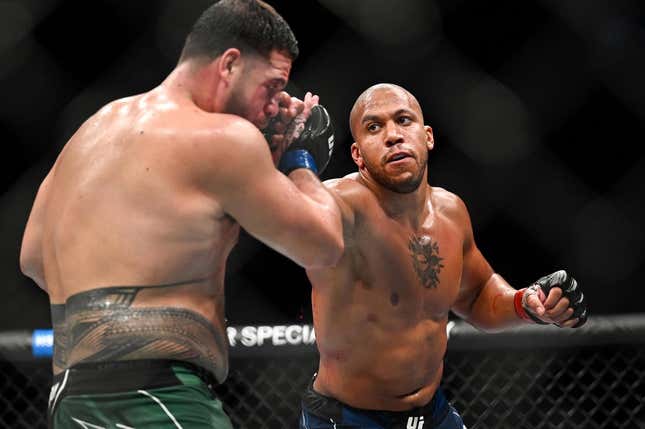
(143, 394)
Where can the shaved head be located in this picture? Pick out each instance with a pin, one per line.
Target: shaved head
(367, 97)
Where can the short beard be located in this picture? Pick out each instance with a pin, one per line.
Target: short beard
(399, 186)
(235, 104)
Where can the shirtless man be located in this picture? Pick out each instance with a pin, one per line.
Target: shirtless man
(410, 257)
(130, 230)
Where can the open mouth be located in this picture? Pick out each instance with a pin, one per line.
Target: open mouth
(398, 157)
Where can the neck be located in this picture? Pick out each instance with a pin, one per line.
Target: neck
(194, 81)
(408, 207)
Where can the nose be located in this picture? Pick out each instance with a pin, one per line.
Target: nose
(392, 134)
(271, 109)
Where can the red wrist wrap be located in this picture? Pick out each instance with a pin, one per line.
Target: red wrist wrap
(519, 309)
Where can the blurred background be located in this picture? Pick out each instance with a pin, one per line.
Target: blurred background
(538, 110)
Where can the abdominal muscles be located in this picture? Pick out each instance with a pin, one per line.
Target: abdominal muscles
(377, 365)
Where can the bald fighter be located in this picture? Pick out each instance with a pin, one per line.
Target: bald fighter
(410, 258)
(130, 230)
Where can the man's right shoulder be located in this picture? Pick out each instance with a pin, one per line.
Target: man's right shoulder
(350, 189)
(226, 128)
(223, 137)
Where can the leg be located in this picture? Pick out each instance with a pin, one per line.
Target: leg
(166, 408)
(310, 421)
(452, 420)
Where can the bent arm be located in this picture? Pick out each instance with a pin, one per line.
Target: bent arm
(31, 255)
(298, 217)
(485, 299)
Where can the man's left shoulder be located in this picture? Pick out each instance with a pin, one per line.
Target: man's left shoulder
(449, 204)
(445, 199)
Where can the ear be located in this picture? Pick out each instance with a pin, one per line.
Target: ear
(356, 155)
(229, 63)
(429, 137)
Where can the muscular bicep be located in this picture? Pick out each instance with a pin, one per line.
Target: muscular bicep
(475, 274)
(476, 271)
(31, 257)
(344, 193)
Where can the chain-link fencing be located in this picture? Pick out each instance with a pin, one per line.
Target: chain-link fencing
(527, 378)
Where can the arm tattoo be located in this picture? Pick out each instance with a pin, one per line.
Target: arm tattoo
(291, 133)
(426, 260)
(101, 325)
(294, 129)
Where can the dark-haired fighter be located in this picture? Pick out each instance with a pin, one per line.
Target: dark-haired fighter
(410, 257)
(131, 228)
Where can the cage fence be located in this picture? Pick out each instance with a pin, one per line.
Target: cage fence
(530, 377)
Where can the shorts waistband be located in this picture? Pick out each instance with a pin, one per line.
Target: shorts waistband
(121, 376)
(330, 408)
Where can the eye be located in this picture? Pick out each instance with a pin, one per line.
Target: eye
(404, 120)
(373, 127)
(274, 87)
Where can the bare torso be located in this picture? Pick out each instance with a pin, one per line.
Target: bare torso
(380, 315)
(122, 209)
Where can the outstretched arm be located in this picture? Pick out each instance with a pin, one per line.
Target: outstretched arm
(489, 303)
(296, 217)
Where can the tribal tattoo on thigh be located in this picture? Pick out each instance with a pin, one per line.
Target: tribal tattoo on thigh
(425, 260)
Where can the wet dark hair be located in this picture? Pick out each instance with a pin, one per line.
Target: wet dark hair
(248, 25)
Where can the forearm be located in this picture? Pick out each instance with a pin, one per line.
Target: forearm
(322, 242)
(493, 309)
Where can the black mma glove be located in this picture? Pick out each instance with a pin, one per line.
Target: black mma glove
(313, 148)
(570, 290)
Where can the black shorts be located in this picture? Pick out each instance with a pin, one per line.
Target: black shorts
(323, 412)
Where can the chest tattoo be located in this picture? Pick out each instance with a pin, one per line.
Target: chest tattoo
(426, 260)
